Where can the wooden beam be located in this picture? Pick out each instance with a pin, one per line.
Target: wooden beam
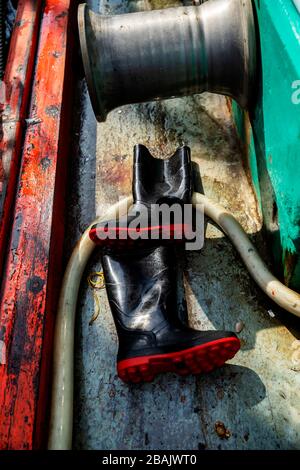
(14, 96)
(33, 270)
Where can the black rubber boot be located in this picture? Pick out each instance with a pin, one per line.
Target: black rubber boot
(141, 286)
(155, 182)
(141, 283)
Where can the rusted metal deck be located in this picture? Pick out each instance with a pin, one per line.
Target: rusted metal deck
(251, 403)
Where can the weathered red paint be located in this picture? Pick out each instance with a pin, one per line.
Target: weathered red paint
(32, 273)
(14, 93)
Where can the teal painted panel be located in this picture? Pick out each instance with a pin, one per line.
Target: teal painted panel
(273, 138)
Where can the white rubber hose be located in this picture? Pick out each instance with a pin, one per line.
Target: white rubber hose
(61, 420)
(278, 292)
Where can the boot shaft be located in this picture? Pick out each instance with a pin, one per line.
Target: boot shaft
(160, 189)
(162, 180)
(142, 287)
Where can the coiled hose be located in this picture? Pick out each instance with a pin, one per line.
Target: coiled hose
(61, 423)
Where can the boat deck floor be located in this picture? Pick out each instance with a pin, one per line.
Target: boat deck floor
(256, 396)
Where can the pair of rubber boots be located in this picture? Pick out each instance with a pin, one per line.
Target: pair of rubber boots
(141, 278)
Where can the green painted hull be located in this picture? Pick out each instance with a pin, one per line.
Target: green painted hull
(272, 134)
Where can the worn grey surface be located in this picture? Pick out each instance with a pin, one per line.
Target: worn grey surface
(256, 396)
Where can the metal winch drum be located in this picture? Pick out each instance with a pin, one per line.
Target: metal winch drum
(159, 54)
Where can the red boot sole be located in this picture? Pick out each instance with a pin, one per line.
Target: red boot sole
(196, 360)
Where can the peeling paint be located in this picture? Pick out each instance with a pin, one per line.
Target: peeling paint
(34, 259)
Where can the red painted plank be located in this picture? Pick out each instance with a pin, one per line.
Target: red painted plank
(32, 273)
(14, 93)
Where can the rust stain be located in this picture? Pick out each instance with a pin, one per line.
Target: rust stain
(222, 431)
(117, 173)
(289, 264)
